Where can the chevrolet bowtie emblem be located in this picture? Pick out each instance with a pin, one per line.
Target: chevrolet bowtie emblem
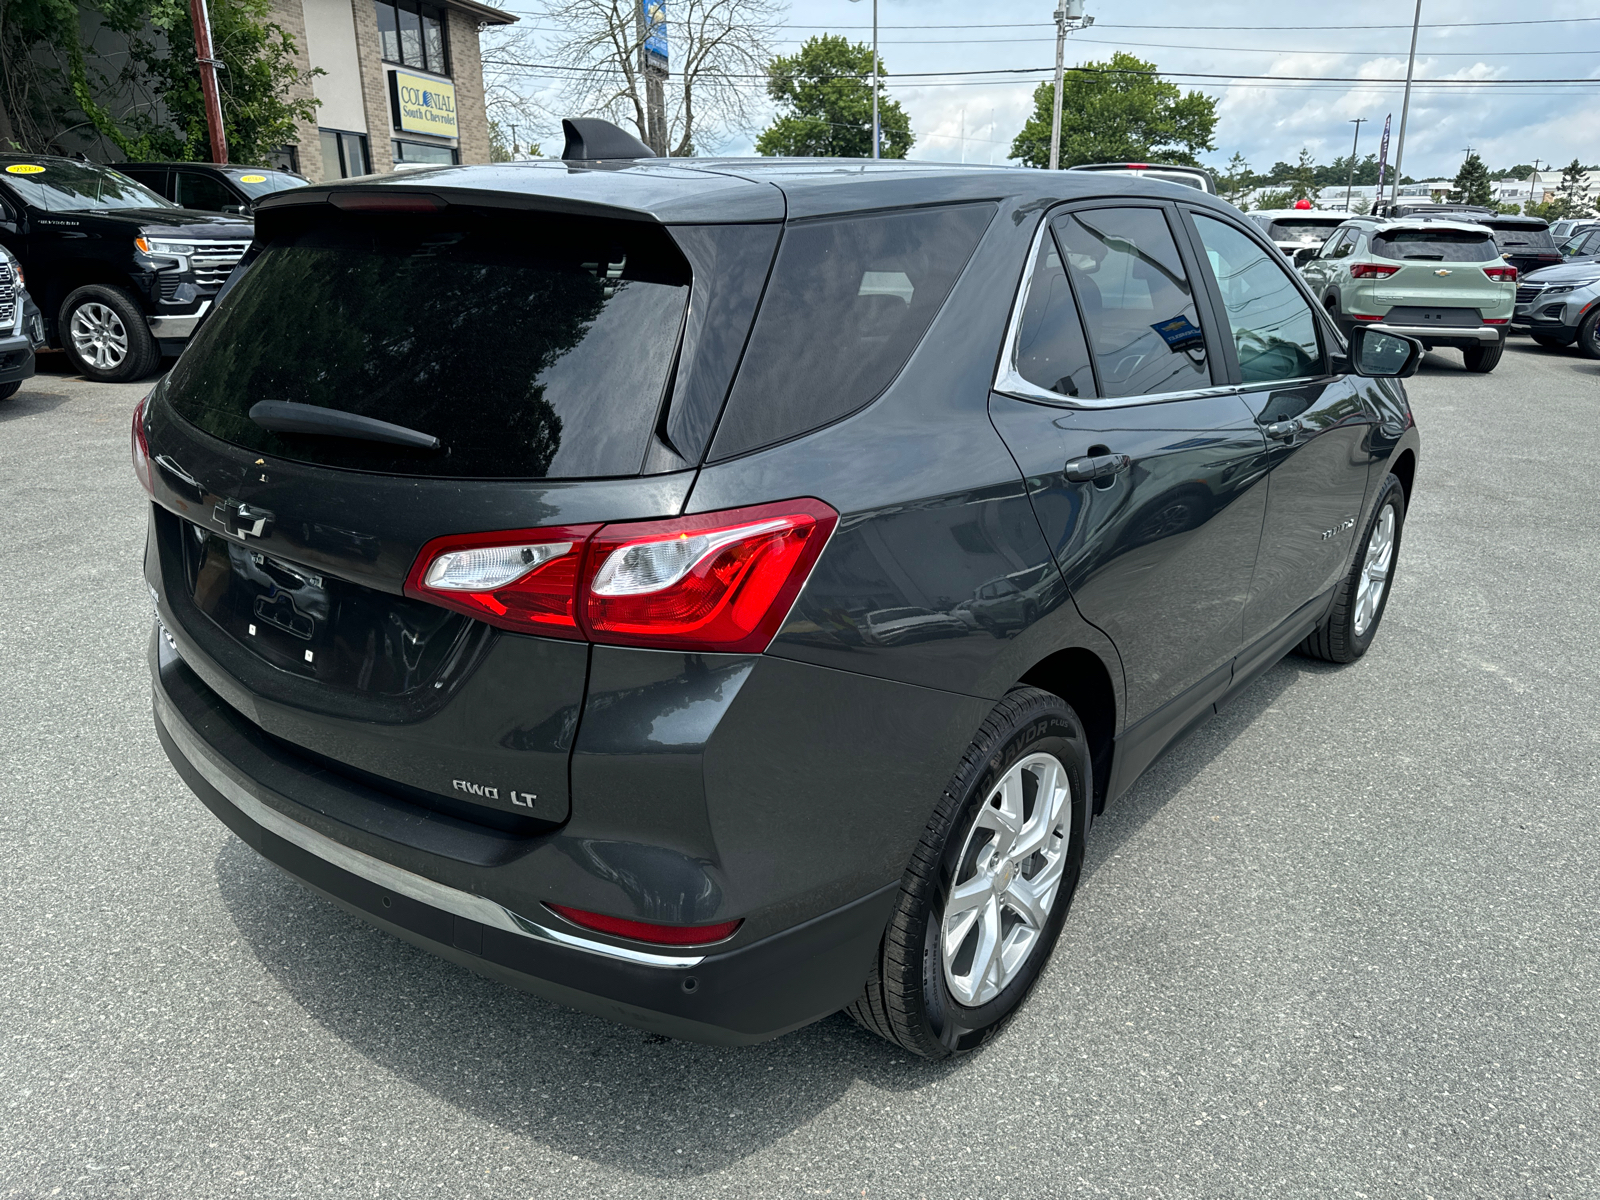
(243, 520)
(1442, 271)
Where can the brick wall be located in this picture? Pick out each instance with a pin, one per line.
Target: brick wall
(472, 120)
(374, 86)
(289, 14)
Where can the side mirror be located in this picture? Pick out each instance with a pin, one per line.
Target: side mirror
(1304, 255)
(1379, 354)
(234, 209)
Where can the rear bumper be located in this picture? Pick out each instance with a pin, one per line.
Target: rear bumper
(736, 997)
(16, 358)
(1446, 335)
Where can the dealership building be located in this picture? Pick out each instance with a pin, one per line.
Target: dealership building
(401, 83)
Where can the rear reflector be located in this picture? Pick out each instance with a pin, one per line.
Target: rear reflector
(141, 448)
(721, 581)
(1496, 320)
(1359, 317)
(1371, 271)
(641, 931)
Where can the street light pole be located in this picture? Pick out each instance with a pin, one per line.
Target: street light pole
(1351, 186)
(1405, 105)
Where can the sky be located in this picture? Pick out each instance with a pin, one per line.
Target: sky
(976, 117)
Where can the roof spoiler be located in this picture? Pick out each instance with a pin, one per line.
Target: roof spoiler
(590, 139)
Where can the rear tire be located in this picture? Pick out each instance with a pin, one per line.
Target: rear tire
(1481, 359)
(105, 335)
(1550, 343)
(8, 390)
(1589, 335)
(991, 878)
(1358, 606)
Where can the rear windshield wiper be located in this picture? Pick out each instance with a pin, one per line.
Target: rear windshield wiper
(284, 416)
(1426, 257)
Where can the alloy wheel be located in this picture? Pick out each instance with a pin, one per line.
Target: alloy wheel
(1007, 879)
(1375, 570)
(99, 336)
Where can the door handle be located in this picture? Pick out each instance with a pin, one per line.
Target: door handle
(1101, 466)
(1281, 431)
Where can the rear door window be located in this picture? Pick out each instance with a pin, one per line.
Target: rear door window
(537, 347)
(1440, 245)
(848, 301)
(1138, 305)
(1051, 352)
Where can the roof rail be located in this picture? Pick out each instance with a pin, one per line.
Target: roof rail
(590, 139)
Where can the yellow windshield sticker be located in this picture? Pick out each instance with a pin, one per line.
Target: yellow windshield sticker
(24, 169)
(252, 179)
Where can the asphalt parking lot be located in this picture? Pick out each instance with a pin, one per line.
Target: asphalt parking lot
(1342, 942)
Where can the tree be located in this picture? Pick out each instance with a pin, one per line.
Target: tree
(1282, 198)
(1235, 181)
(1472, 184)
(1361, 206)
(52, 86)
(1573, 190)
(827, 92)
(1303, 178)
(716, 45)
(1508, 210)
(1120, 111)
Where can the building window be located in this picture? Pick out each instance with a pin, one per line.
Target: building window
(419, 152)
(344, 154)
(412, 34)
(285, 158)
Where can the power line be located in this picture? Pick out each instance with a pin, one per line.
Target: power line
(1186, 27)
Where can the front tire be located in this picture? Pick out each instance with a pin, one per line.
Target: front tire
(8, 390)
(989, 884)
(1482, 359)
(1589, 335)
(1358, 605)
(105, 335)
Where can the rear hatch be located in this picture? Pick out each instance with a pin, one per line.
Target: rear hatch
(1527, 245)
(538, 349)
(1441, 271)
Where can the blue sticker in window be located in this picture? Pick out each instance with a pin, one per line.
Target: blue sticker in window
(1180, 334)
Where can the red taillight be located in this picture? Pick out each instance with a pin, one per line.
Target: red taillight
(141, 448)
(386, 202)
(720, 581)
(642, 931)
(1138, 166)
(716, 581)
(1371, 271)
(1501, 274)
(1359, 317)
(522, 579)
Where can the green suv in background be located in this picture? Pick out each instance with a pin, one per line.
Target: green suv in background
(1442, 282)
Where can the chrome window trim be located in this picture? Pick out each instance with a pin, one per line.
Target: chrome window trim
(1009, 382)
(387, 875)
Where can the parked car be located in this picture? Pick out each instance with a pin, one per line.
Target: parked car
(1295, 229)
(1524, 242)
(1560, 306)
(1442, 282)
(562, 664)
(1195, 177)
(1569, 227)
(208, 187)
(121, 275)
(896, 626)
(1583, 244)
(21, 331)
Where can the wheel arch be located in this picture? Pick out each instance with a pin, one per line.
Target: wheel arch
(1080, 678)
(1404, 468)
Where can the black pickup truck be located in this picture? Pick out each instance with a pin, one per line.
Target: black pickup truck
(122, 275)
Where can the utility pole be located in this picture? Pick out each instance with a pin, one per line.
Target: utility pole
(1405, 105)
(1068, 17)
(650, 20)
(1531, 179)
(208, 80)
(876, 137)
(1351, 186)
(963, 136)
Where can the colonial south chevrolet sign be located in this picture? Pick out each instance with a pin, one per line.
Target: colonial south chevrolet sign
(423, 104)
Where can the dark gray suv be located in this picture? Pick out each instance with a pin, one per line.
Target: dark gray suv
(521, 539)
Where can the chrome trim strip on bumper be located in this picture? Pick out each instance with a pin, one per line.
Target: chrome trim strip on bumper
(1481, 333)
(386, 875)
(178, 327)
